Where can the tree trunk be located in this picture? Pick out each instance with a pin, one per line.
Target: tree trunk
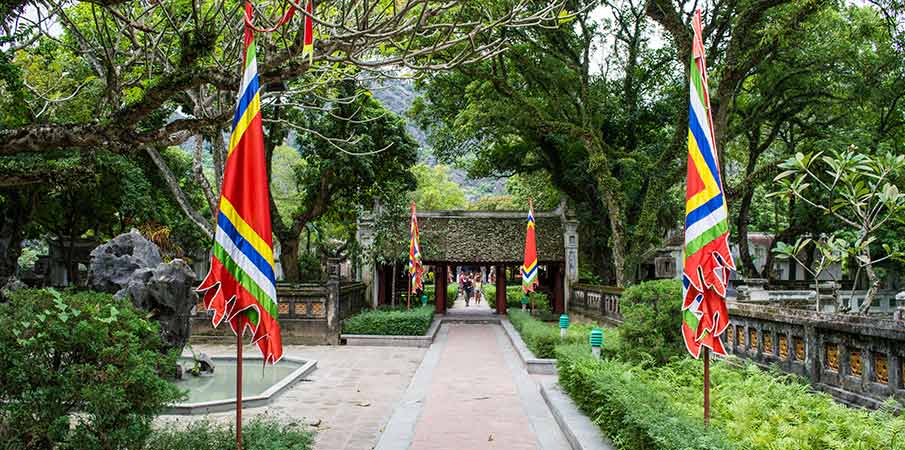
(289, 258)
(617, 227)
(874, 286)
(749, 269)
(12, 232)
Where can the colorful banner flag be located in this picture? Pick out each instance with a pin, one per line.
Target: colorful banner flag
(529, 267)
(241, 286)
(308, 48)
(708, 259)
(416, 269)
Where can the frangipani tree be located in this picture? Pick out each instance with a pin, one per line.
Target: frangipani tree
(861, 192)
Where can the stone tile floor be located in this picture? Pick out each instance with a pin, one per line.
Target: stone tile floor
(348, 399)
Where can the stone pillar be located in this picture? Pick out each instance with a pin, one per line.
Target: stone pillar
(334, 308)
(367, 271)
(500, 289)
(570, 237)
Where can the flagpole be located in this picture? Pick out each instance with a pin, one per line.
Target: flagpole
(239, 390)
(408, 300)
(706, 387)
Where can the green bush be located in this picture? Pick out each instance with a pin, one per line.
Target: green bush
(385, 322)
(632, 414)
(430, 290)
(257, 434)
(79, 371)
(652, 327)
(542, 337)
(762, 410)
(514, 298)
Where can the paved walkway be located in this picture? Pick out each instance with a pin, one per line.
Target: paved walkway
(471, 393)
(347, 400)
(473, 309)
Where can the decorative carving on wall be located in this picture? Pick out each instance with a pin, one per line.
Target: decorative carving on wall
(768, 342)
(740, 332)
(832, 357)
(799, 348)
(752, 335)
(730, 333)
(881, 371)
(283, 308)
(855, 363)
(783, 347)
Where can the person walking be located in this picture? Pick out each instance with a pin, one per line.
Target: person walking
(477, 288)
(468, 284)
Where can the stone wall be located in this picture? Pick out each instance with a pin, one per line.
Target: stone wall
(309, 313)
(856, 359)
(859, 360)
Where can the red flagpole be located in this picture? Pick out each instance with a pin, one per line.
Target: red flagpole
(239, 390)
(408, 300)
(706, 387)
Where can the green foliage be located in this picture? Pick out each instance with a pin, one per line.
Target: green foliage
(257, 434)
(435, 191)
(652, 325)
(430, 291)
(400, 322)
(86, 356)
(762, 410)
(633, 414)
(514, 294)
(542, 337)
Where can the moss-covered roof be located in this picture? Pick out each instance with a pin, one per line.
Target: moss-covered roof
(485, 237)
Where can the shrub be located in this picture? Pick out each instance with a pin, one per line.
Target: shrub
(761, 410)
(430, 291)
(86, 356)
(398, 322)
(257, 434)
(634, 415)
(652, 321)
(514, 297)
(541, 337)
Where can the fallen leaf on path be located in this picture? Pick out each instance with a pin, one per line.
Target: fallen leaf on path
(364, 404)
(490, 438)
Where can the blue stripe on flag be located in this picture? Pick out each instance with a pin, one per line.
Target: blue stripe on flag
(704, 210)
(246, 98)
(246, 248)
(703, 145)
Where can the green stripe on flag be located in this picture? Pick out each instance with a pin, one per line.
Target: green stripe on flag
(697, 83)
(246, 281)
(690, 319)
(250, 52)
(706, 237)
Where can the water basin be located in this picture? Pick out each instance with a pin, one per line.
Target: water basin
(260, 384)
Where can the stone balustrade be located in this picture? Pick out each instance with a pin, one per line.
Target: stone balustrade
(859, 360)
(598, 302)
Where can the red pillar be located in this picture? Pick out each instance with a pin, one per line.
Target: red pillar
(381, 285)
(440, 290)
(500, 289)
(559, 305)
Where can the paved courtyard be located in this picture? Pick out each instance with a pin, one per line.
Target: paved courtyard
(347, 400)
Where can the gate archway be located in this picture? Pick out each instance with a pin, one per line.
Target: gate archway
(474, 238)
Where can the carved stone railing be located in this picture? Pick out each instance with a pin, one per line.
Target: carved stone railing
(309, 313)
(857, 359)
(599, 302)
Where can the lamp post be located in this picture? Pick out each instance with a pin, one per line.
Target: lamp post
(596, 340)
(524, 302)
(563, 326)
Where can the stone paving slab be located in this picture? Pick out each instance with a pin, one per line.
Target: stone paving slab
(350, 396)
(472, 393)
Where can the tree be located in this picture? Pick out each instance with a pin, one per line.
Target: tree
(435, 191)
(861, 193)
(372, 163)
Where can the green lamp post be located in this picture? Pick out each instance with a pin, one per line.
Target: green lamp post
(596, 340)
(423, 299)
(524, 302)
(563, 325)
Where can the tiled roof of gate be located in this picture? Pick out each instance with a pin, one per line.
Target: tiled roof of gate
(484, 237)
